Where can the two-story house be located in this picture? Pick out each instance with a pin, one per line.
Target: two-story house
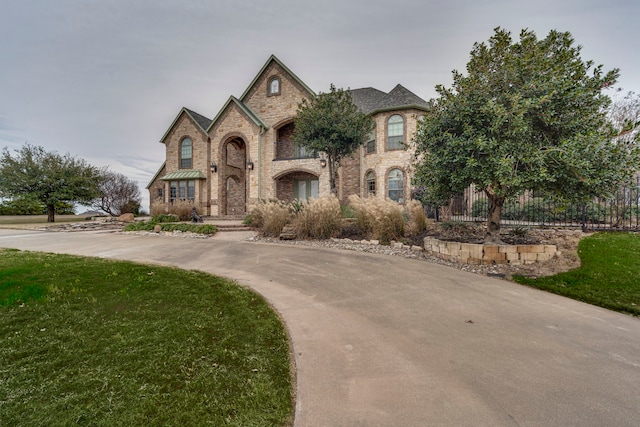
(246, 153)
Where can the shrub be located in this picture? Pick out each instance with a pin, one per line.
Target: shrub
(157, 219)
(158, 207)
(417, 217)
(381, 219)
(271, 217)
(192, 228)
(182, 209)
(319, 218)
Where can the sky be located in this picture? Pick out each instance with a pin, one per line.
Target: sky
(103, 80)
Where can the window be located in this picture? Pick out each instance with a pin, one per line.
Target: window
(186, 154)
(274, 86)
(371, 183)
(370, 146)
(305, 189)
(182, 190)
(160, 193)
(395, 132)
(395, 185)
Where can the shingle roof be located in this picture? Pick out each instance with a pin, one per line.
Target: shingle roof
(370, 100)
(202, 121)
(367, 99)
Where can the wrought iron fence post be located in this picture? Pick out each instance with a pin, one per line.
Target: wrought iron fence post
(584, 217)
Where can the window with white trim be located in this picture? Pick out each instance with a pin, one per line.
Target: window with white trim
(371, 183)
(182, 190)
(186, 154)
(304, 189)
(395, 132)
(395, 185)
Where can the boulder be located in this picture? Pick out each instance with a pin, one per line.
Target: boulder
(127, 217)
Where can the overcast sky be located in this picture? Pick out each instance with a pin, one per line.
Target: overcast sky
(103, 79)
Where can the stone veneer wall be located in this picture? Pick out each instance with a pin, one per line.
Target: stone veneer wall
(472, 253)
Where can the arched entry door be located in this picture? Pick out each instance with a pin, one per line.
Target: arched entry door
(233, 177)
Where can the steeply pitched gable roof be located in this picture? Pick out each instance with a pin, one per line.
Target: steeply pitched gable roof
(158, 172)
(201, 122)
(370, 100)
(271, 59)
(244, 108)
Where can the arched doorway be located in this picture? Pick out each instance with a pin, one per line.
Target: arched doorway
(233, 177)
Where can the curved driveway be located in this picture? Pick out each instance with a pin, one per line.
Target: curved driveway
(388, 341)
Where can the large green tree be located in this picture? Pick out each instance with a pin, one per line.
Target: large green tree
(48, 177)
(331, 123)
(528, 115)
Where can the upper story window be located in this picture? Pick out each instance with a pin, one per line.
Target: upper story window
(186, 154)
(274, 86)
(370, 145)
(395, 132)
(395, 185)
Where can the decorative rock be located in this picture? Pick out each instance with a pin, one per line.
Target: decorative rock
(127, 217)
(157, 228)
(288, 233)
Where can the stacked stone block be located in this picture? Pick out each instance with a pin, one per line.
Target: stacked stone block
(472, 253)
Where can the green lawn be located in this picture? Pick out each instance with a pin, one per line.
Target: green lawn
(96, 342)
(38, 219)
(608, 277)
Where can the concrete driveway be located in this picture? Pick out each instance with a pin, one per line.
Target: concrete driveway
(388, 341)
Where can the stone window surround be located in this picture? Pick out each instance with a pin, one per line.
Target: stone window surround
(386, 131)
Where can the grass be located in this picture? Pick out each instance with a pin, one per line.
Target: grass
(608, 277)
(106, 343)
(38, 219)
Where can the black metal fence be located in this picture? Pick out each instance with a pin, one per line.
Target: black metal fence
(619, 212)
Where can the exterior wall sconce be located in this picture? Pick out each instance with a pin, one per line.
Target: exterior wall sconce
(214, 167)
(250, 165)
(323, 162)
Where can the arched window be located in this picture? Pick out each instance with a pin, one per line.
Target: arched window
(186, 154)
(274, 86)
(371, 183)
(395, 132)
(395, 185)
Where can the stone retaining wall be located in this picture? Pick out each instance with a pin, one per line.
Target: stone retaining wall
(472, 253)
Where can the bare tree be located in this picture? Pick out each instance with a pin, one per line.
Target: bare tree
(118, 194)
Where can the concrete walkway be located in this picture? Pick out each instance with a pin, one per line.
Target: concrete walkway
(387, 341)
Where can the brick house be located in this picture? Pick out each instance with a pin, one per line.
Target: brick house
(247, 154)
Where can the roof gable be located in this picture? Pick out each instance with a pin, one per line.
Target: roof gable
(201, 122)
(243, 107)
(158, 172)
(265, 67)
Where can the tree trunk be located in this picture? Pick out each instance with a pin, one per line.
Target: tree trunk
(332, 175)
(494, 215)
(51, 211)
